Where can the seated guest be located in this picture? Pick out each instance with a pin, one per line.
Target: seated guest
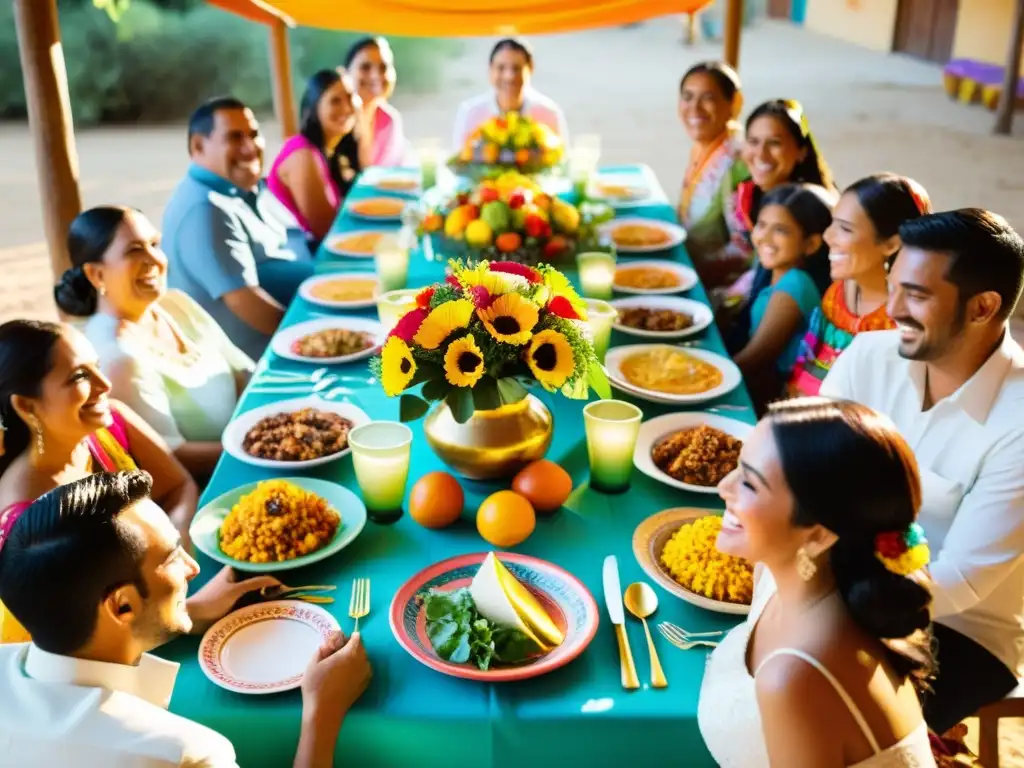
(791, 254)
(165, 357)
(709, 102)
(98, 575)
(952, 379)
(863, 239)
(224, 248)
(511, 72)
(371, 63)
(826, 669)
(317, 167)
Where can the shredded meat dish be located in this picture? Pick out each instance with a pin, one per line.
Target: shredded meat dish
(333, 342)
(699, 456)
(299, 436)
(663, 320)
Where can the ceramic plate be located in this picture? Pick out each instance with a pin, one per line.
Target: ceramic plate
(377, 208)
(566, 600)
(354, 245)
(701, 315)
(399, 183)
(655, 430)
(617, 193)
(685, 278)
(236, 430)
(350, 288)
(668, 235)
(265, 648)
(648, 542)
(285, 339)
(731, 376)
(205, 527)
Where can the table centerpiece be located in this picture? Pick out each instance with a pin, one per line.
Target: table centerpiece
(476, 342)
(508, 142)
(511, 218)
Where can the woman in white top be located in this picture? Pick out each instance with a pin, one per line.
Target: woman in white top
(826, 671)
(511, 69)
(164, 355)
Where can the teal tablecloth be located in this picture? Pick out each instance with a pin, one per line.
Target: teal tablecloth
(413, 716)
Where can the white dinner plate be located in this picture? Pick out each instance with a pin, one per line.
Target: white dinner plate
(285, 339)
(265, 648)
(307, 286)
(655, 430)
(675, 234)
(340, 244)
(731, 376)
(700, 312)
(234, 433)
(687, 277)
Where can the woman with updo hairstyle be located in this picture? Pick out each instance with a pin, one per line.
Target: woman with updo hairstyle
(863, 240)
(370, 63)
(827, 669)
(164, 356)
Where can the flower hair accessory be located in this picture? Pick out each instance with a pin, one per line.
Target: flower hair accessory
(903, 552)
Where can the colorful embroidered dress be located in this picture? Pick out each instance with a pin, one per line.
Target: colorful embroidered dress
(109, 450)
(832, 328)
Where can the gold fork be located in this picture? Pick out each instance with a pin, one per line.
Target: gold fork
(359, 605)
(673, 634)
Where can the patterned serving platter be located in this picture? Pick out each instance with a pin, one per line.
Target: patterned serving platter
(264, 648)
(563, 596)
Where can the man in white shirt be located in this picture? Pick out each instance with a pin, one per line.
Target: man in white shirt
(952, 379)
(96, 573)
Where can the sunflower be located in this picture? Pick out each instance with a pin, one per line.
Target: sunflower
(442, 321)
(510, 318)
(550, 358)
(494, 281)
(463, 362)
(397, 366)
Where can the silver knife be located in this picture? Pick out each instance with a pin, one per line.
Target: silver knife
(613, 599)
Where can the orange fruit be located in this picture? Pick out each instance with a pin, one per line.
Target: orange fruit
(505, 519)
(507, 242)
(544, 484)
(522, 157)
(490, 153)
(436, 500)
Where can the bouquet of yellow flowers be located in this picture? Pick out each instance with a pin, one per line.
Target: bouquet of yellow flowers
(509, 141)
(470, 340)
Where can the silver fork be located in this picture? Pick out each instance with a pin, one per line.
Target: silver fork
(685, 642)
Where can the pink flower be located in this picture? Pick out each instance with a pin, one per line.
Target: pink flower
(453, 281)
(409, 324)
(480, 297)
(563, 308)
(511, 268)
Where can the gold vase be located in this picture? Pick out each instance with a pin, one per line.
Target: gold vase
(492, 444)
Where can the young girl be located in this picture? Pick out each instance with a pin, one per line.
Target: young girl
(790, 277)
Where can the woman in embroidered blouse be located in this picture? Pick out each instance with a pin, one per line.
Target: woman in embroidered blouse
(863, 239)
(316, 168)
(59, 426)
(709, 102)
(371, 64)
(165, 356)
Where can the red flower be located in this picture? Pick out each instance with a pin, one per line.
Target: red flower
(480, 297)
(453, 281)
(562, 307)
(890, 544)
(409, 324)
(423, 297)
(511, 268)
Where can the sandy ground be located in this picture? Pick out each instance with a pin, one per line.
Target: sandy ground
(869, 112)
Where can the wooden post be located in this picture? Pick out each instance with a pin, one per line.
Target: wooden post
(281, 79)
(733, 28)
(1011, 76)
(49, 119)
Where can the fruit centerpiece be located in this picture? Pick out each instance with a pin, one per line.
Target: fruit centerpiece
(509, 141)
(511, 218)
(472, 341)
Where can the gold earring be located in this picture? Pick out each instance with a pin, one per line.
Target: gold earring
(37, 432)
(805, 566)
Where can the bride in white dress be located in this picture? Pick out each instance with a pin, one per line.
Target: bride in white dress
(826, 671)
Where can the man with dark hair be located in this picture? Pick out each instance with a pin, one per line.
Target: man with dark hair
(225, 246)
(95, 571)
(952, 379)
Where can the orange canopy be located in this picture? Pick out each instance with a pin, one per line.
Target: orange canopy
(454, 18)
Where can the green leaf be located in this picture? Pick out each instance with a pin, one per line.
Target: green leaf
(460, 401)
(411, 408)
(426, 371)
(598, 381)
(510, 390)
(436, 389)
(485, 394)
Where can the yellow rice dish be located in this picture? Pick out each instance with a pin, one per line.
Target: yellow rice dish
(277, 521)
(693, 560)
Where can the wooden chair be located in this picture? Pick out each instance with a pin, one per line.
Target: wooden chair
(988, 725)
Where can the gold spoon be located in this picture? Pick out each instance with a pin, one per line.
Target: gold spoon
(642, 602)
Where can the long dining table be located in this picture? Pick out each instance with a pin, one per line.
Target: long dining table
(414, 716)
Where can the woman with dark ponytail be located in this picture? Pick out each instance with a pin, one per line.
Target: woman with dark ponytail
(827, 669)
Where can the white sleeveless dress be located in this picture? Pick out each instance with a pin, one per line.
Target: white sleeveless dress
(730, 721)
